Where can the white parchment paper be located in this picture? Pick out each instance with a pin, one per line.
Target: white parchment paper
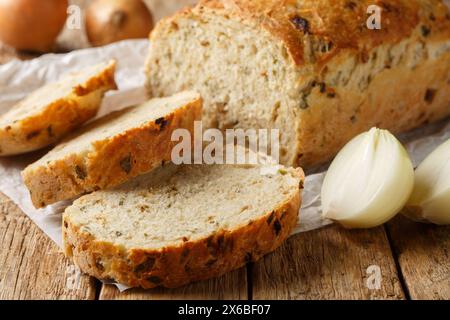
(18, 78)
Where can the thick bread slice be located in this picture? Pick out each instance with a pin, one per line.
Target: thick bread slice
(181, 224)
(54, 110)
(111, 150)
(310, 68)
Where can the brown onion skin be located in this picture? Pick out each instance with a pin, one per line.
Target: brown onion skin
(108, 21)
(31, 25)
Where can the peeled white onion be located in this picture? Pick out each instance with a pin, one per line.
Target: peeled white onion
(369, 181)
(430, 200)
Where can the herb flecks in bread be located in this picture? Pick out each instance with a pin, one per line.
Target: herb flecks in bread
(112, 150)
(310, 68)
(56, 109)
(182, 224)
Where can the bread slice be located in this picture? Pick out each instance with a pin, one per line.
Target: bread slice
(112, 149)
(54, 110)
(181, 224)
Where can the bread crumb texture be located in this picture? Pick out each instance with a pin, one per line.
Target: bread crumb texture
(180, 224)
(112, 149)
(310, 68)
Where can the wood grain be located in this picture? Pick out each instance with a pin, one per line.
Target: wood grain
(422, 251)
(232, 286)
(32, 266)
(330, 263)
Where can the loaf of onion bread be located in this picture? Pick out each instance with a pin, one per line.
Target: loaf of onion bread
(311, 68)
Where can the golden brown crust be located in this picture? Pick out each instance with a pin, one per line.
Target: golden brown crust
(172, 267)
(113, 161)
(349, 78)
(339, 22)
(397, 99)
(59, 118)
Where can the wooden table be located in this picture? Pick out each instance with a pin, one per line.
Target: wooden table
(331, 263)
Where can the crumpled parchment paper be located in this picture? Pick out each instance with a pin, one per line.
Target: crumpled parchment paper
(18, 78)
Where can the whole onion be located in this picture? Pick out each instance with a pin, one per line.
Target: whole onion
(30, 24)
(109, 21)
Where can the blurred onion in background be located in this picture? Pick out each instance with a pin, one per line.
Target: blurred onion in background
(73, 36)
(31, 25)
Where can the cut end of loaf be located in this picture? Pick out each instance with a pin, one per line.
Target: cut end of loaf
(182, 224)
(266, 64)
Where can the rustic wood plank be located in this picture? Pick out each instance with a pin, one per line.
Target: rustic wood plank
(31, 265)
(232, 286)
(422, 251)
(331, 263)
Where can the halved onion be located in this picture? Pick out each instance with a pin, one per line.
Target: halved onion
(369, 181)
(430, 200)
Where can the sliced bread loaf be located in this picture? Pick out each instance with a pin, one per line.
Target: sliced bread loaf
(112, 149)
(181, 224)
(54, 110)
(310, 68)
